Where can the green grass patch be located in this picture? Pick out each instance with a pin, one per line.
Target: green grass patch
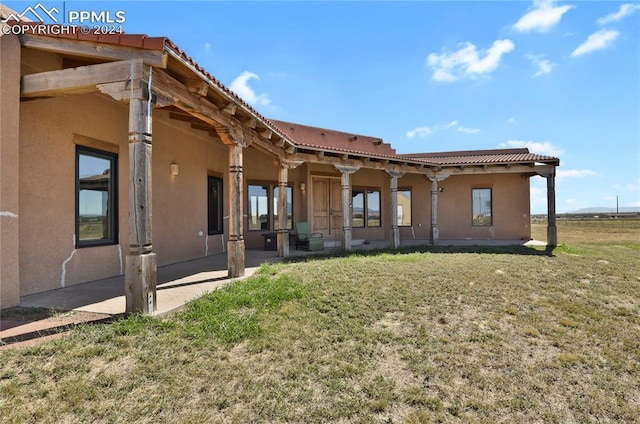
(424, 334)
(233, 314)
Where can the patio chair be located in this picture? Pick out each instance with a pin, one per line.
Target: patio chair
(304, 237)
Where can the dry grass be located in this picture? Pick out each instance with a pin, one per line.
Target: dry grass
(424, 336)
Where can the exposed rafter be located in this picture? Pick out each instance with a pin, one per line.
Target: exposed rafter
(93, 50)
(81, 80)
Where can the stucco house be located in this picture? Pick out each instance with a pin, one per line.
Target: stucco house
(119, 153)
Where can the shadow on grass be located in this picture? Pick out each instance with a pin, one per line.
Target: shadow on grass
(506, 250)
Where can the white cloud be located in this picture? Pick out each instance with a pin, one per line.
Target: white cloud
(544, 65)
(511, 120)
(573, 173)
(544, 16)
(240, 87)
(538, 195)
(467, 61)
(426, 131)
(468, 130)
(419, 132)
(541, 148)
(628, 186)
(624, 11)
(596, 41)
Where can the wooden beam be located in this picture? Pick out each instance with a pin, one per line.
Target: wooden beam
(197, 86)
(230, 109)
(201, 127)
(81, 80)
(93, 50)
(266, 134)
(185, 117)
(251, 123)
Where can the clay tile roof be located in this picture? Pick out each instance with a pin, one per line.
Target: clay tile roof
(482, 157)
(305, 135)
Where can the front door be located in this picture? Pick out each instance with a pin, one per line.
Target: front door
(327, 205)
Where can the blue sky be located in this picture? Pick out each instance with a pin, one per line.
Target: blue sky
(562, 78)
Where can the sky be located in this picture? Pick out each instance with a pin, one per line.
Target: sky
(561, 78)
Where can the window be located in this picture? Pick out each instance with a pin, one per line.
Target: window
(481, 201)
(404, 208)
(214, 205)
(365, 208)
(357, 207)
(373, 208)
(263, 207)
(96, 197)
(258, 213)
(289, 208)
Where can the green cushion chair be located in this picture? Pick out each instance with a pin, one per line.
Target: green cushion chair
(304, 237)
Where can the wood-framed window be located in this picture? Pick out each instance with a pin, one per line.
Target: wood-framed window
(262, 207)
(365, 208)
(405, 207)
(96, 197)
(481, 201)
(214, 205)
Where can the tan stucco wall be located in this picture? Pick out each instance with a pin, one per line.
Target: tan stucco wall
(421, 207)
(48, 258)
(510, 196)
(9, 175)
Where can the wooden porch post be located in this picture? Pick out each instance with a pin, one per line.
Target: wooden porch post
(235, 245)
(395, 232)
(141, 263)
(552, 230)
(435, 230)
(346, 204)
(283, 232)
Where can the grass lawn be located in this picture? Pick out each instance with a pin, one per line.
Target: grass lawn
(438, 335)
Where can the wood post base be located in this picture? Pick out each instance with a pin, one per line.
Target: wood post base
(140, 279)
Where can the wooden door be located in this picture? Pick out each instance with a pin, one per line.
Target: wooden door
(335, 206)
(327, 205)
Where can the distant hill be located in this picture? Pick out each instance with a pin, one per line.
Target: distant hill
(606, 210)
